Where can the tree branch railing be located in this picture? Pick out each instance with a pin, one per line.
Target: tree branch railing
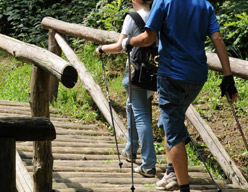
(46, 64)
(239, 68)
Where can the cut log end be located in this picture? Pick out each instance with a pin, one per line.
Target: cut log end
(69, 77)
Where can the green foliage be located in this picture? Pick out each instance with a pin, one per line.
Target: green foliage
(17, 83)
(233, 20)
(22, 19)
(209, 100)
(77, 103)
(237, 33)
(108, 15)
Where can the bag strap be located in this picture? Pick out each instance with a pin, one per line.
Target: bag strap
(137, 19)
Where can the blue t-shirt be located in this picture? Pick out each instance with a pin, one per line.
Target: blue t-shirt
(182, 27)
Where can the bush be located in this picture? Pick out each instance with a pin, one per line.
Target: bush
(233, 20)
(108, 16)
(22, 19)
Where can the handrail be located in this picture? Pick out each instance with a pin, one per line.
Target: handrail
(239, 67)
(46, 64)
(41, 57)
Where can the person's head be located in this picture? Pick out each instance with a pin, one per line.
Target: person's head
(146, 3)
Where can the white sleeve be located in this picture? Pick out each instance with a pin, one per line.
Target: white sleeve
(128, 26)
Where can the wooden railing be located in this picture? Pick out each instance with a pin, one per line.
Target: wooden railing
(44, 88)
(46, 64)
(239, 68)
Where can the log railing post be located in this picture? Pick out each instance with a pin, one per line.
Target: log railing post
(54, 82)
(14, 129)
(43, 159)
(7, 165)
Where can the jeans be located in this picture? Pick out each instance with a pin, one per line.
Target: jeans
(175, 96)
(141, 124)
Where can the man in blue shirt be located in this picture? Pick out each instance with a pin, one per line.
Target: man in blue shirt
(182, 27)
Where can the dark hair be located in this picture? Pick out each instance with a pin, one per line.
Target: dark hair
(149, 2)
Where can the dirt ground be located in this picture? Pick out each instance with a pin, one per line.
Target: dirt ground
(225, 128)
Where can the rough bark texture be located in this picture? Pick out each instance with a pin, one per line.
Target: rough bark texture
(75, 30)
(239, 67)
(54, 48)
(43, 159)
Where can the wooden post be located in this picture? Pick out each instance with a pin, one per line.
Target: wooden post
(7, 165)
(43, 159)
(54, 82)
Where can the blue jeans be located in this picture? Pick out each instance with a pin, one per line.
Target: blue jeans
(175, 96)
(141, 124)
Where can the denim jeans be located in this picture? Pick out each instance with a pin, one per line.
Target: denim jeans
(141, 124)
(175, 96)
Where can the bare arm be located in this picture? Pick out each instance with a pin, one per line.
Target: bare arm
(144, 39)
(223, 56)
(114, 47)
(221, 52)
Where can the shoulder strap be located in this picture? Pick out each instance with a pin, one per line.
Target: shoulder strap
(137, 19)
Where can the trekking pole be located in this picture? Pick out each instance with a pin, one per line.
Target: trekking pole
(110, 110)
(202, 160)
(131, 116)
(237, 121)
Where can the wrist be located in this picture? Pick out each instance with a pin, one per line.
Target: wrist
(100, 49)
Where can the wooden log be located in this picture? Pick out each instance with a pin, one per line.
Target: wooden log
(80, 132)
(139, 187)
(76, 144)
(24, 182)
(48, 61)
(7, 165)
(75, 150)
(43, 159)
(54, 48)
(91, 86)
(227, 164)
(75, 30)
(239, 67)
(27, 129)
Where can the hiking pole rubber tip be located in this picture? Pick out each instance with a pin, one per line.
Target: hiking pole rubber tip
(120, 164)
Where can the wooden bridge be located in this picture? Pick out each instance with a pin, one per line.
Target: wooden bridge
(85, 159)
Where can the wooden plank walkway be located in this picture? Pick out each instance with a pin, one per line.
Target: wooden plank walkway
(85, 159)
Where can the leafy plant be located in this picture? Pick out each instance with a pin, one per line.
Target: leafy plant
(233, 20)
(108, 15)
(22, 19)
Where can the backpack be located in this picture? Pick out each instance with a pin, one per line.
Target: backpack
(143, 60)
